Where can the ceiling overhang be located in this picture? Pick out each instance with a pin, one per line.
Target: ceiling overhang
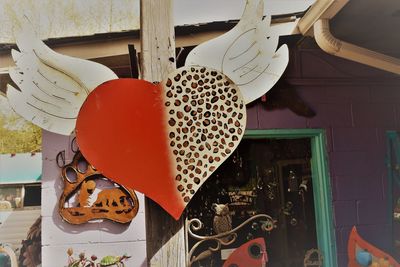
(316, 22)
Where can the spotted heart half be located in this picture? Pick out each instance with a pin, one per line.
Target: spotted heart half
(164, 139)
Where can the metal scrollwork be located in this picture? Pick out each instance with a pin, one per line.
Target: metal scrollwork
(222, 239)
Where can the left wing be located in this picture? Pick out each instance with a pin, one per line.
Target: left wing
(52, 87)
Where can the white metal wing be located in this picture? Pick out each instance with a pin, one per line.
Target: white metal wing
(247, 53)
(52, 86)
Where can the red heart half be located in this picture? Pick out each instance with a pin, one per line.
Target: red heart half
(163, 140)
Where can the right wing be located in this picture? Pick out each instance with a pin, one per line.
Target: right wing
(52, 87)
(247, 53)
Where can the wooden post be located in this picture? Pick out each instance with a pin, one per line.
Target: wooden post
(165, 236)
(157, 39)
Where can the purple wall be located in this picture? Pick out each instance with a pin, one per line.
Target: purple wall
(356, 105)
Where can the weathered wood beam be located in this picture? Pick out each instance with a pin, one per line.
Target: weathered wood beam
(165, 236)
(157, 39)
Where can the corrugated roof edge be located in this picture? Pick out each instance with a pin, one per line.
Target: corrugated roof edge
(179, 31)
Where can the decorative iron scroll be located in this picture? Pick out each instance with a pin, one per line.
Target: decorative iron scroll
(80, 178)
(222, 239)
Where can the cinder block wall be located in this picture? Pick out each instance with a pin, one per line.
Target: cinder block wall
(356, 105)
(100, 239)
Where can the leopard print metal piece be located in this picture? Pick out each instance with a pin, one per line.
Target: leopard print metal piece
(206, 120)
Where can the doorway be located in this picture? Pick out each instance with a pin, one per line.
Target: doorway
(280, 173)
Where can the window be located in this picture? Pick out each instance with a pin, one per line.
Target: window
(11, 197)
(32, 195)
(19, 196)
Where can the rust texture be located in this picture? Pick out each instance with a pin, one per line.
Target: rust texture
(80, 178)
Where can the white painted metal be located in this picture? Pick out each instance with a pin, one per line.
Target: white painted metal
(52, 86)
(247, 53)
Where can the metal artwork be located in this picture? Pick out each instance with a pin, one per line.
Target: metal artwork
(81, 179)
(222, 221)
(93, 261)
(217, 241)
(52, 87)
(173, 135)
(313, 258)
(252, 253)
(247, 53)
(360, 251)
(113, 260)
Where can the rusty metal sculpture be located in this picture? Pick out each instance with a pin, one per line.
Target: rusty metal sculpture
(222, 239)
(80, 178)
